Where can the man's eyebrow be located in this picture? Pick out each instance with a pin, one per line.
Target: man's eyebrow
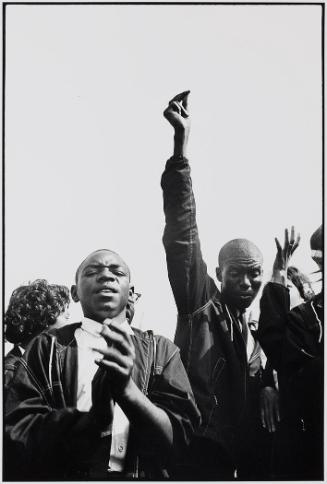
(87, 266)
(97, 265)
(236, 267)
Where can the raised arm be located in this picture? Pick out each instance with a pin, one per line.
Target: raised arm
(187, 272)
(275, 301)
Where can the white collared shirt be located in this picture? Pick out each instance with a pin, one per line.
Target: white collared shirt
(88, 338)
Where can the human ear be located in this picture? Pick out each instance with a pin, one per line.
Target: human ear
(131, 291)
(218, 274)
(73, 291)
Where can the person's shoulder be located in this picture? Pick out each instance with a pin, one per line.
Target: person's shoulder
(162, 342)
(165, 342)
(14, 352)
(149, 334)
(305, 311)
(275, 286)
(140, 334)
(64, 334)
(305, 318)
(12, 358)
(39, 348)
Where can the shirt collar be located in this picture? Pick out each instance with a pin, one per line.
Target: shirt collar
(240, 314)
(94, 327)
(21, 349)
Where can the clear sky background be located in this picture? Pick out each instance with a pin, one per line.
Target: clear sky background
(86, 141)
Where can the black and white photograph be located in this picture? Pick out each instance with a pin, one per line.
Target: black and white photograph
(163, 233)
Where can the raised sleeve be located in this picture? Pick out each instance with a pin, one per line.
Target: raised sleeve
(187, 271)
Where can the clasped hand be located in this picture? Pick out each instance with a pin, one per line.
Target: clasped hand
(118, 357)
(113, 377)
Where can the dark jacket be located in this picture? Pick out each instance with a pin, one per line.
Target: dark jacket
(11, 361)
(212, 346)
(52, 440)
(293, 341)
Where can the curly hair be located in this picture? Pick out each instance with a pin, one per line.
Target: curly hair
(33, 308)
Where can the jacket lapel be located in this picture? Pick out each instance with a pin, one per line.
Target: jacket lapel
(67, 348)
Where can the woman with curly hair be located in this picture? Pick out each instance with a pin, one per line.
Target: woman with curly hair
(32, 309)
(62, 296)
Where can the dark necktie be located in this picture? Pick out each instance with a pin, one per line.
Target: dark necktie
(244, 327)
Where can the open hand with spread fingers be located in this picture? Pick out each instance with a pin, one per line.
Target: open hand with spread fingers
(285, 252)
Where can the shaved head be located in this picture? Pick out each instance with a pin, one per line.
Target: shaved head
(241, 251)
(240, 272)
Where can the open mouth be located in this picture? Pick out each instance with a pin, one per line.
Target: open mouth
(106, 290)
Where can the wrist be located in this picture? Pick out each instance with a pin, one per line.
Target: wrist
(102, 413)
(98, 418)
(129, 393)
(180, 142)
(280, 276)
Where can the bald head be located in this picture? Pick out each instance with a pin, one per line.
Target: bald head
(240, 272)
(240, 251)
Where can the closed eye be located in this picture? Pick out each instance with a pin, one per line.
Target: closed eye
(90, 273)
(255, 273)
(119, 273)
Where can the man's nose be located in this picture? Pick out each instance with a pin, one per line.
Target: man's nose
(245, 281)
(106, 275)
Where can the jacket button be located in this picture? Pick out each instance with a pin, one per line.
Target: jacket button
(121, 448)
